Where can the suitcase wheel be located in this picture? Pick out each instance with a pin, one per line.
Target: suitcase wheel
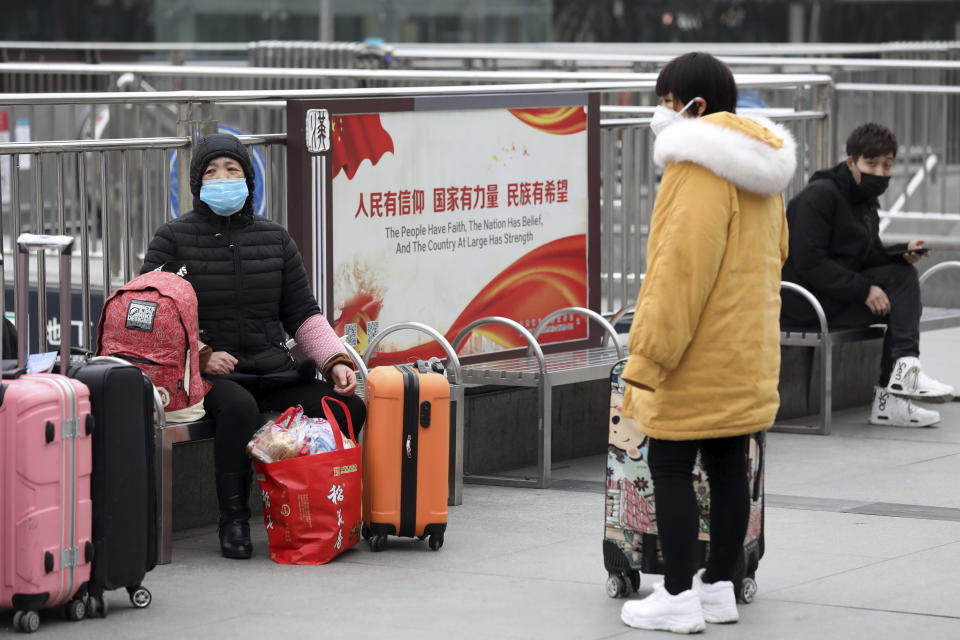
(365, 532)
(75, 610)
(435, 542)
(26, 621)
(97, 607)
(622, 584)
(140, 597)
(748, 590)
(378, 543)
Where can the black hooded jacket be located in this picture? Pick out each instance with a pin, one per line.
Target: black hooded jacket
(834, 237)
(247, 271)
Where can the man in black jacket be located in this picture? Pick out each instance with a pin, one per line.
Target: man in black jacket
(836, 253)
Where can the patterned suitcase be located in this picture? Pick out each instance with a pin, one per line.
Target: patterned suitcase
(406, 454)
(630, 541)
(45, 467)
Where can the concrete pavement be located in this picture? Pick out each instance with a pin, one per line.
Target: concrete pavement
(862, 540)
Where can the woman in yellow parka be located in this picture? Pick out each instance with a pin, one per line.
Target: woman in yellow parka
(705, 344)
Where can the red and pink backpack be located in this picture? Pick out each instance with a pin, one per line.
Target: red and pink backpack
(152, 322)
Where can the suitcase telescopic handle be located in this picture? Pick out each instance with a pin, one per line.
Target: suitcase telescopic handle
(34, 242)
(27, 242)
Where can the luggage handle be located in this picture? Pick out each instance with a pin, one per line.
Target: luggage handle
(34, 242)
(27, 242)
(335, 427)
(433, 365)
(761, 446)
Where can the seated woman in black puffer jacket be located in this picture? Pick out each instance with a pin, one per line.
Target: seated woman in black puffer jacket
(251, 287)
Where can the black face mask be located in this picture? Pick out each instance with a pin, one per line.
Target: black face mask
(872, 186)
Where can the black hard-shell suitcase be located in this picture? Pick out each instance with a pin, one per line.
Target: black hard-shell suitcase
(631, 543)
(123, 484)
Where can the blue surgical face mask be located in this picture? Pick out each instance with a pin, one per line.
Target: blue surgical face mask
(225, 197)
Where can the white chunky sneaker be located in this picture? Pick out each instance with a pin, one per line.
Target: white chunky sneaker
(717, 600)
(892, 410)
(660, 610)
(903, 378)
(909, 381)
(930, 390)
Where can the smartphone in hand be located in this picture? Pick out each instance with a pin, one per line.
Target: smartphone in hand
(918, 251)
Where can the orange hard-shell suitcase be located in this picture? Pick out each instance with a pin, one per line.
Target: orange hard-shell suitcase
(406, 454)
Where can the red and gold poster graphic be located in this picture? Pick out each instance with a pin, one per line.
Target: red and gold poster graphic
(443, 217)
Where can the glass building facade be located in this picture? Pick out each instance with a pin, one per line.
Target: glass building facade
(354, 20)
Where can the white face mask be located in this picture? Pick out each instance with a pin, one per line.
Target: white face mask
(664, 117)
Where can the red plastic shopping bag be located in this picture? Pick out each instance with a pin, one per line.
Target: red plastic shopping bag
(311, 504)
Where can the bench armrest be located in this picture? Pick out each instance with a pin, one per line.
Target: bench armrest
(357, 360)
(534, 346)
(609, 330)
(629, 307)
(940, 266)
(620, 313)
(812, 299)
(453, 362)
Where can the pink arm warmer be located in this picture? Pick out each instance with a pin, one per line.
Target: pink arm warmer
(317, 340)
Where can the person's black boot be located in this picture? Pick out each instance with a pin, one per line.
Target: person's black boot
(233, 491)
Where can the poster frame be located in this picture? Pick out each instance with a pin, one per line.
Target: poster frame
(308, 200)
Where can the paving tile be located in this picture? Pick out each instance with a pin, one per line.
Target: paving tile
(922, 582)
(527, 564)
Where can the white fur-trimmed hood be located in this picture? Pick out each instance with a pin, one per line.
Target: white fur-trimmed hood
(752, 152)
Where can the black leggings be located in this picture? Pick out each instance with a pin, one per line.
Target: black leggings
(671, 465)
(237, 408)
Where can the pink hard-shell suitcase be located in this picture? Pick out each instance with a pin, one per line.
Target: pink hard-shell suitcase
(45, 465)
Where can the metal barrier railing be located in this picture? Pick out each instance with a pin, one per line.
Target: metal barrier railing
(102, 185)
(926, 120)
(635, 55)
(82, 195)
(629, 185)
(914, 93)
(114, 193)
(111, 195)
(461, 54)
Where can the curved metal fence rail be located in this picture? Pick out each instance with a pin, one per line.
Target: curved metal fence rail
(111, 179)
(111, 195)
(629, 182)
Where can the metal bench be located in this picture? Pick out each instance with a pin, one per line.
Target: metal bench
(543, 372)
(824, 339)
(168, 435)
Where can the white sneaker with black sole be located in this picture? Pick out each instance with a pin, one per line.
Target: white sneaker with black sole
(717, 599)
(895, 411)
(907, 380)
(930, 390)
(665, 612)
